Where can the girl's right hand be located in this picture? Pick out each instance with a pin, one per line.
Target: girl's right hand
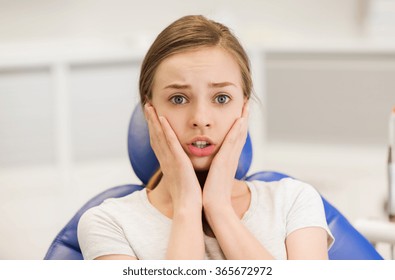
(179, 176)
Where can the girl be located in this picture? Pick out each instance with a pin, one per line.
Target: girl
(195, 85)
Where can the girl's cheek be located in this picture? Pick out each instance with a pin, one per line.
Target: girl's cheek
(173, 121)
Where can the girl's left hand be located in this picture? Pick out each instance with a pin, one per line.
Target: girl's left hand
(217, 189)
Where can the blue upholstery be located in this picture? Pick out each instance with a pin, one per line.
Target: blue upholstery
(349, 245)
(65, 246)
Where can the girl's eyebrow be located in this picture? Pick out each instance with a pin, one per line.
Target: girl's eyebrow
(221, 85)
(212, 85)
(177, 86)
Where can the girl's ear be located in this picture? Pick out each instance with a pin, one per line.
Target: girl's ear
(146, 103)
(245, 111)
(146, 100)
(145, 111)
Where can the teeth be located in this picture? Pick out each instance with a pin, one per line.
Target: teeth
(201, 144)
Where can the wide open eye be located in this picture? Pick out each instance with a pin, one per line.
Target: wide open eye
(178, 99)
(222, 99)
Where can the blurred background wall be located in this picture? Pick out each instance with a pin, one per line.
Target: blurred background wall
(323, 72)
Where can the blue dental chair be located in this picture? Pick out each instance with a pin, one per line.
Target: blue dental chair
(349, 243)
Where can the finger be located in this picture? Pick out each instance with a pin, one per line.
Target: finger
(244, 124)
(153, 123)
(246, 110)
(163, 139)
(156, 134)
(241, 124)
(150, 113)
(171, 137)
(234, 142)
(238, 133)
(146, 114)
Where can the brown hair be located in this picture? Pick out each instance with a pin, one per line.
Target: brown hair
(188, 33)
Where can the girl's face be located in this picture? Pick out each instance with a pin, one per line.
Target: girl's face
(201, 95)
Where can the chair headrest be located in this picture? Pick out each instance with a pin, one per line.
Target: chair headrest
(143, 159)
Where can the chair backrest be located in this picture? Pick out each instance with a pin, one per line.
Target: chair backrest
(66, 246)
(349, 244)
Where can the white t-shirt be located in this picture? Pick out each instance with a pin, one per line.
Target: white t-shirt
(131, 225)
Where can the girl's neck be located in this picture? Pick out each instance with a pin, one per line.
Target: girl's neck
(202, 176)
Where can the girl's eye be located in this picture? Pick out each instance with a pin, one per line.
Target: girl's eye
(178, 99)
(222, 99)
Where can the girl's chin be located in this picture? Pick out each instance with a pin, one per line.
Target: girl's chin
(201, 164)
(201, 169)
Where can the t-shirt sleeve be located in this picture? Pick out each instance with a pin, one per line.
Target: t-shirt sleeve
(307, 210)
(100, 235)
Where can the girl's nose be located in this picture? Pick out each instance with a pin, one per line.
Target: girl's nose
(200, 116)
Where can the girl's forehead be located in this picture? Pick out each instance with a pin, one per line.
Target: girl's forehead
(197, 55)
(214, 62)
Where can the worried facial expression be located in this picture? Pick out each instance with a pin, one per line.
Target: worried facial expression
(200, 93)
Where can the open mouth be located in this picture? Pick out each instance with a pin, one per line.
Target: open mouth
(201, 144)
(201, 148)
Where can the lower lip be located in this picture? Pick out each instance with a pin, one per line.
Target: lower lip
(209, 150)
